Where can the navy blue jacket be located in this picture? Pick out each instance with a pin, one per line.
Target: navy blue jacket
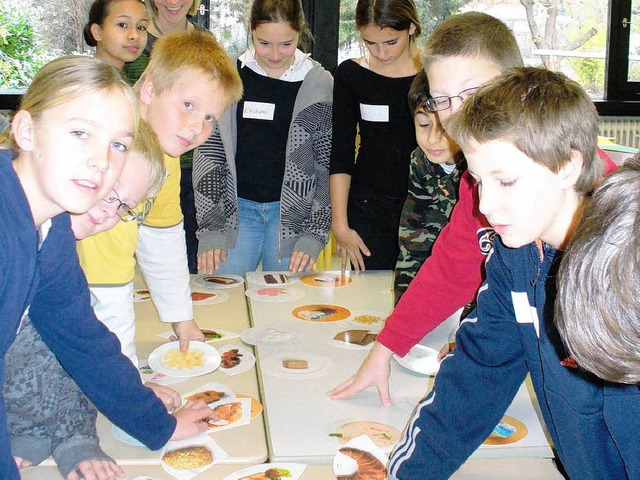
(51, 282)
(595, 425)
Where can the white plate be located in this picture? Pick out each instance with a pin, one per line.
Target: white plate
(211, 360)
(215, 281)
(420, 359)
(295, 469)
(272, 279)
(274, 293)
(269, 336)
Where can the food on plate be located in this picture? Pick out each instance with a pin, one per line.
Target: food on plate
(294, 364)
(178, 360)
(231, 358)
(382, 435)
(275, 278)
(209, 396)
(231, 412)
(356, 337)
(270, 474)
(199, 296)
(367, 319)
(369, 467)
(271, 291)
(188, 458)
(211, 335)
(220, 280)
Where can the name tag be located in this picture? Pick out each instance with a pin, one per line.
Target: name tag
(374, 113)
(258, 110)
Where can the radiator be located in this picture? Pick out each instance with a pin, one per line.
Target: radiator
(626, 130)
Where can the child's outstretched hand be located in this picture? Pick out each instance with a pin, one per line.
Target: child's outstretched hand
(186, 331)
(192, 419)
(169, 396)
(97, 470)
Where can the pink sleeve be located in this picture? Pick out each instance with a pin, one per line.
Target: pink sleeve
(449, 278)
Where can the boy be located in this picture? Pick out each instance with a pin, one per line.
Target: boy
(530, 142)
(47, 414)
(188, 84)
(434, 175)
(597, 309)
(462, 53)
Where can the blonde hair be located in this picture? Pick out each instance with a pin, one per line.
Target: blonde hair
(473, 34)
(66, 79)
(544, 114)
(195, 50)
(152, 10)
(147, 145)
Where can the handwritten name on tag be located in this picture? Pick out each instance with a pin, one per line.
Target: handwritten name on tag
(258, 110)
(374, 113)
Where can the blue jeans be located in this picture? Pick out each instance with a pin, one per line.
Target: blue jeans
(257, 239)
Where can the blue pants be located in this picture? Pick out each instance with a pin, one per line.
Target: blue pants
(257, 239)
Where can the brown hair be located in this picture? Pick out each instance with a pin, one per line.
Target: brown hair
(599, 280)
(196, 50)
(473, 34)
(396, 14)
(418, 92)
(65, 79)
(148, 146)
(276, 11)
(543, 114)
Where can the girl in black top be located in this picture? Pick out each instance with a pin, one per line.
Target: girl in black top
(370, 96)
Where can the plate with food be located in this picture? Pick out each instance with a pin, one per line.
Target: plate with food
(230, 413)
(420, 359)
(274, 294)
(218, 281)
(509, 430)
(326, 280)
(269, 471)
(187, 458)
(355, 338)
(321, 313)
(360, 458)
(269, 336)
(272, 278)
(371, 319)
(201, 358)
(210, 392)
(210, 297)
(383, 435)
(297, 365)
(236, 359)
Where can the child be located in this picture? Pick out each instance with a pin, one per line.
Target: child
(118, 30)
(530, 140)
(187, 86)
(597, 308)
(370, 95)
(434, 175)
(265, 199)
(462, 53)
(168, 17)
(47, 414)
(70, 139)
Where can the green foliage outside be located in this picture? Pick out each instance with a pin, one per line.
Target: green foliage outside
(20, 54)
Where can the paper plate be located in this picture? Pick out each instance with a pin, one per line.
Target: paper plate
(218, 281)
(326, 280)
(297, 365)
(210, 360)
(269, 336)
(272, 279)
(420, 359)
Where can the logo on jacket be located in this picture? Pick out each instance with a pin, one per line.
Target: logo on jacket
(485, 239)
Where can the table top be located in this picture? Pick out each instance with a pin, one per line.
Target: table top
(301, 417)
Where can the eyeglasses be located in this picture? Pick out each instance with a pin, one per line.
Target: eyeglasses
(437, 104)
(128, 214)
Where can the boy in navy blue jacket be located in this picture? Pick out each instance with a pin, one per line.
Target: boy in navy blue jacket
(530, 139)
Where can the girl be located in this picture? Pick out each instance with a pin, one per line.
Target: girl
(370, 95)
(118, 30)
(266, 198)
(65, 149)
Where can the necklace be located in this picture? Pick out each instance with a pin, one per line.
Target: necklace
(186, 26)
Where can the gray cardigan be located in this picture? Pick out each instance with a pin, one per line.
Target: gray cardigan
(305, 208)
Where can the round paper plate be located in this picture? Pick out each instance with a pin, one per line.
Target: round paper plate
(420, 359)
(272, 279)
(326, 280)
(297, 365)
(269, 336)
(509, 430)
(218, 281)
(210, 360)
(321, 313)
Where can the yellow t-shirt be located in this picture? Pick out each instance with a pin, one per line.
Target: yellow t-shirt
(109, 257)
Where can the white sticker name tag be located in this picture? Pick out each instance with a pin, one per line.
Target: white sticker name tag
(258, 110)
(374, 113)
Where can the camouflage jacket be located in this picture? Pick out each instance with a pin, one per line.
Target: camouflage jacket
(430, 200)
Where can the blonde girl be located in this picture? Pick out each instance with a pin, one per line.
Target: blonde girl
(370, 96)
